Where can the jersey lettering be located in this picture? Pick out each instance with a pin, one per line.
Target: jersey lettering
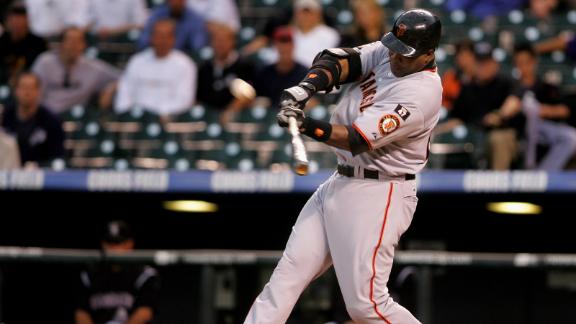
(395, 116)
(368, 88)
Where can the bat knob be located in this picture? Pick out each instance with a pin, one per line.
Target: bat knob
(301, 169)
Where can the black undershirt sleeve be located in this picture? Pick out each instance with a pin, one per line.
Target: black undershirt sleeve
(356, 142)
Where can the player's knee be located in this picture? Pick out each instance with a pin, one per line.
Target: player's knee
(306, 264)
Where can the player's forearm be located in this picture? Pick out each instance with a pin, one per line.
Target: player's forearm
(339, 137)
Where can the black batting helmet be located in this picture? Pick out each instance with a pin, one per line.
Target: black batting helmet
(414, 33)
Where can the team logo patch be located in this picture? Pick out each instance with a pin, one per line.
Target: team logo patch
(401, 30)
(402, 112)
(388, 124)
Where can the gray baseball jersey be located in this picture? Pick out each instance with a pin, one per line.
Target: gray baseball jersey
(355, 223)
(394, 115)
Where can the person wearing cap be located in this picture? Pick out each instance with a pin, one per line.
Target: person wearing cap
(19, 47)
(114, 293)
(484, 107)
(380, 132)
(311, 35)
(462, 73)
(273, 78)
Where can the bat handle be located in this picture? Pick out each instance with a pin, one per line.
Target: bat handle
(293, 127)
(300, 158)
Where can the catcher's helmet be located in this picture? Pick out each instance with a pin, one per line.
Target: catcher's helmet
(414, 33)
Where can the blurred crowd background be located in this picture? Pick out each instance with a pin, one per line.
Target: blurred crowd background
(150, 84)
(147, 84)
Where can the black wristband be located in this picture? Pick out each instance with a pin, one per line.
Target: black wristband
(316, 129)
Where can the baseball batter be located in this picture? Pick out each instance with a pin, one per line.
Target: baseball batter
(380, 132)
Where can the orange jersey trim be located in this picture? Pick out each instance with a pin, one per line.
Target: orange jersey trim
(390, 191)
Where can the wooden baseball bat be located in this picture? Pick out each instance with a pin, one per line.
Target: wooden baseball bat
(299, 156)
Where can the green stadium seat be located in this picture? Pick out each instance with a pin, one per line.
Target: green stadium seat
(281, 158)
(323, 160)
(242, 161)
(460, 148)
(273, 132)
(5, 93)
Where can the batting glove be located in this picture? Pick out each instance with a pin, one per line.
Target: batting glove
(290, 111)
(296, 96)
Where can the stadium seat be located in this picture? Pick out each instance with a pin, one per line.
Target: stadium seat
(461, 148)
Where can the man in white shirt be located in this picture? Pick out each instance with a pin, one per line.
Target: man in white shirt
(116, 17)
(49, 18)
(311, 35)
(159, 79)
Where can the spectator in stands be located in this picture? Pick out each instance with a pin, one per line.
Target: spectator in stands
(224, 12)
(273, 78)
(116, 18)
(68, 77)
(216, 75)
(565, 42)
(546, 114)
(460, 75)
(117, 293)
(49, 18)
(542, 9)
(191, 32)
(18, 46)
(484, 105)
(263, 40)
(4, 8)
(9, 153)
(38, 132)
(369, 24)
(311, 34)
(160, 79)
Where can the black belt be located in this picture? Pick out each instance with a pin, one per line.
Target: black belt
(348, 171)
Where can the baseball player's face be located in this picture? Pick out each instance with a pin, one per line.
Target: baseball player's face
(402, 65)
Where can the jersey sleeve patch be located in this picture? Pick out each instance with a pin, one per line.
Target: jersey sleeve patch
(388, 124)
(402, 112)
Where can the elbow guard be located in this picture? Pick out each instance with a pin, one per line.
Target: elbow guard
(329, 60)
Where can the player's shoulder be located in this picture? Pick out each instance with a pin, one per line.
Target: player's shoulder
(421, 90)
(427, 79)
(376, 46)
